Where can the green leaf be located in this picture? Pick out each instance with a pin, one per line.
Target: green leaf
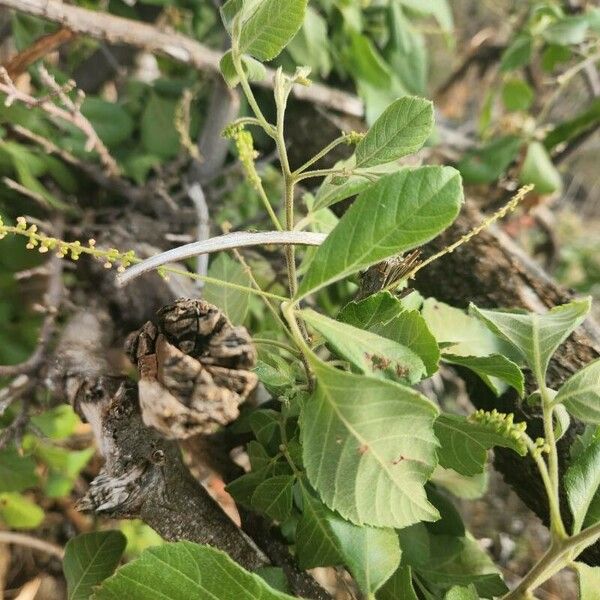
(368, 448)
(310, 46)
(409, 328)
(461, 486)
(464, 443)
(158, 132)
(18, 512)
(470, 566)
(331, 191)
(535, 336)
(517, 95)
(440, 9)
(57, 423)
(373, 311)
(265, 426)
(491, 369)
(316, 544)
(518, 54)
(385, 315)
(371, 554)
(323, 538)
(370, 353)
(589, 581)
(273, 497)
(399, 586)
(185, 570)
(406, 51)
(270, 27)
(570, 129)
(462, 593)
(402, 129)
(234, 303)
(17, 473)
(582, 481)
(399, 213)
(112, 122)
(462, 334)
(254, 70)
(89, 559)
(275, 577)
(567, 30)
(538, 170)
(489, 162)
(581, 394)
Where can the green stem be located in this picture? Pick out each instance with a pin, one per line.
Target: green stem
(556, 523)
(320, 173)
(320, 154)
(268, 342)
(559, 555)
(239, 69)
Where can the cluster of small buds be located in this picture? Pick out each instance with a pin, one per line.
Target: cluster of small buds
(73, 250)
(244, 144)
(504, 425)
(353, 137)
(540, 446)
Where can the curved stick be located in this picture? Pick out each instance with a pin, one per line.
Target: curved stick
(227, 241)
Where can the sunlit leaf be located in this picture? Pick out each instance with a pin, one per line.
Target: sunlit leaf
(368, 448)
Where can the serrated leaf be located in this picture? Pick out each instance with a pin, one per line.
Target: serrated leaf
(589, 581)
(323, 538)
(369, 448)
(270, 27)
(580, 394)
(399, 586)
(581, 482)
(401, 129)
(491, 369)
(265, 424)
(385, 315)
(273, 497)
(464, 444)
(316, 544)
(185, 570)
(370, 353)
(399, 213)
(233, 302)
(19, 512)
(17, 473)
(89, 559)
(535, 336)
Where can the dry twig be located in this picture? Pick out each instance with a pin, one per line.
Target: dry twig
(71, 113)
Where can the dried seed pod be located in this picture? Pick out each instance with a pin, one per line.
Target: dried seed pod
(193, 369)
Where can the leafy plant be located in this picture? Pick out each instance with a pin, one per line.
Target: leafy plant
(350, 460)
